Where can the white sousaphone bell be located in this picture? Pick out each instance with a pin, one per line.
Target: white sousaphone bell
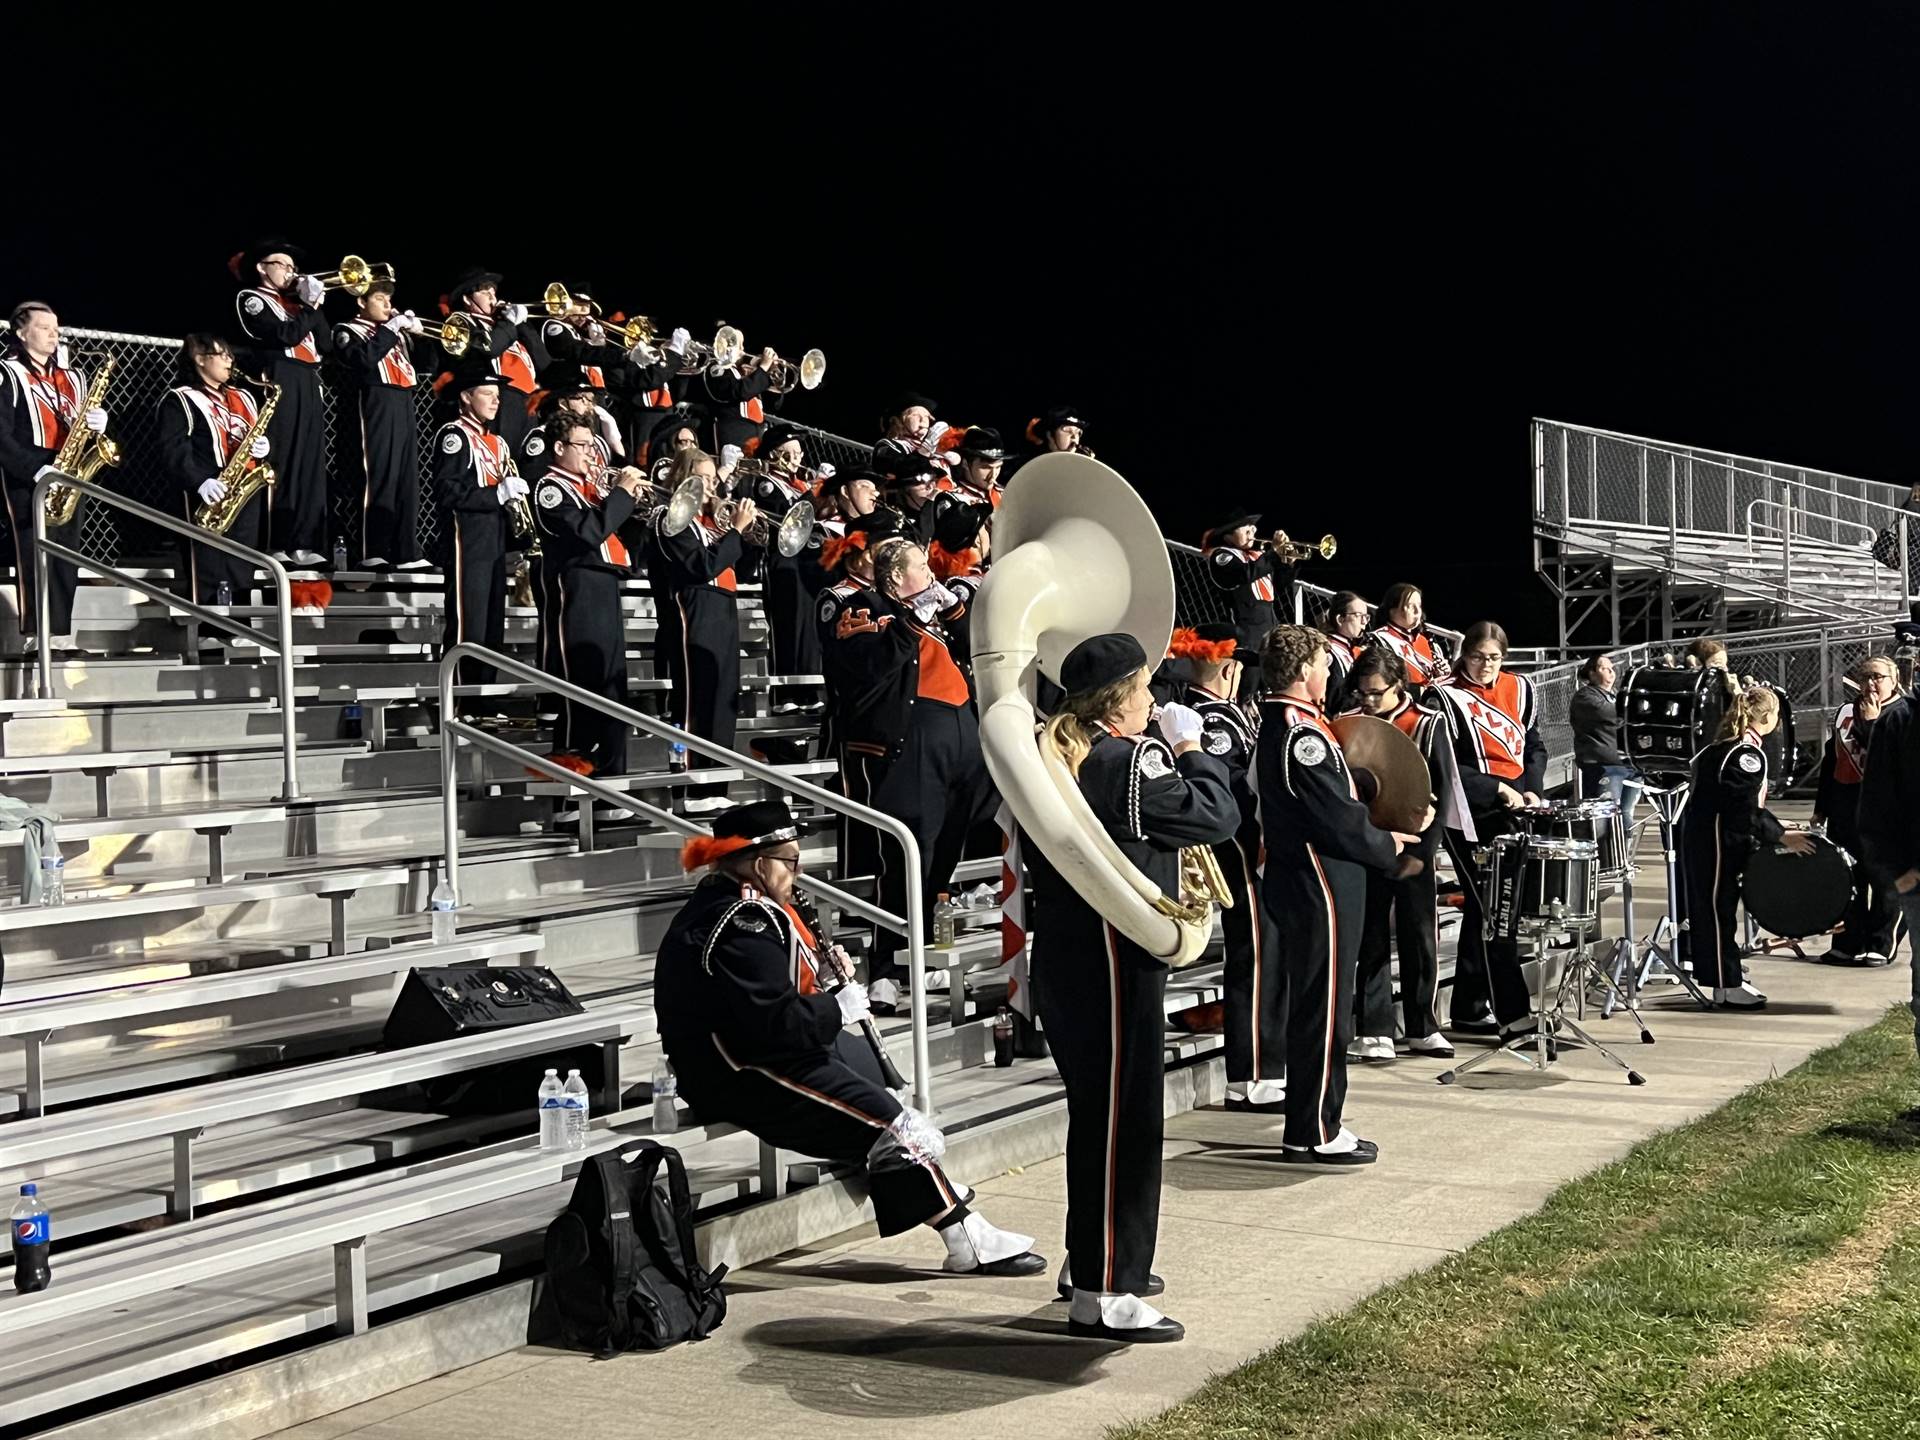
(1076, 553)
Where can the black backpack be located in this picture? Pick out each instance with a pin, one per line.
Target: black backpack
(622, 1270)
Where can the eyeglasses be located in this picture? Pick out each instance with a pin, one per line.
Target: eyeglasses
(1484, 657)
(1374, 694)
(793, 860)
(1355, 614)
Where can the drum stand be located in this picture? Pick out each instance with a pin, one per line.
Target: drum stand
(1552, 1024)
(1662, 947)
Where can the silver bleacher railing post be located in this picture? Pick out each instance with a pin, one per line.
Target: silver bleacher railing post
(350, 1286)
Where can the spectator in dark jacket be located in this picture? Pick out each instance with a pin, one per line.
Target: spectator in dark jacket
(1889, 816)
(1596, 738)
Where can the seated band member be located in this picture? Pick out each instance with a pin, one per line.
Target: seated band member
(694, 598)
(376, 349)
(1261, 586)
(1101, 997)
(1493, 717)
(1725, 822)
(280, 313)
(1320, 846)
(578, 509)
(1347, 618)
(1871, 933)
(41, 399)
(910, 664)
(756, 1042)
(1256, 985)
(508, 340)
(1403, 630)
(197, 425)
(470, 480)
(1403, 910)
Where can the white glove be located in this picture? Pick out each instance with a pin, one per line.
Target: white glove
(931, 601)
(1180, 724)
(826, 471)
(854, 1006)
(516, 314)
(596, 334)
(511, 489)
(643, 353)
(96, 420)
(310, 291)
(934, 432)
(43, 472)
(730, 456)
(212, 492)
(259, 448)
(680, 339)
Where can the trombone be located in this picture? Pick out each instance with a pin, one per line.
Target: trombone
(730, 347)
(454, 334)
(355, 276)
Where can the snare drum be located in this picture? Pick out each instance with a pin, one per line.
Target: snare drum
(1597, 821)
(1541, 884)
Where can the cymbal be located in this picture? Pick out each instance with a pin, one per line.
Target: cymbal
(1406, 789)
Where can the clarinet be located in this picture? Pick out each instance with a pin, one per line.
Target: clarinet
(837, 971)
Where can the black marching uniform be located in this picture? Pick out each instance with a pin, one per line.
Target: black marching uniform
(380, 360)
(699, 636)
(197, 428)
(1873, 920)
(1261, 588)
(1102, 1000)
(1725, 822)
(854, 733)
(292, 338)
(739, 413)
(1256, 983)
(1496, 740)
(791, 582)
(515, 353)
(1407, 910)
(753, 1048)
(583, 630)
(468, 465)
(38, 409)
(1320, 846)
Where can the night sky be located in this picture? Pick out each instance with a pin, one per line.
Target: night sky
(1328, 270)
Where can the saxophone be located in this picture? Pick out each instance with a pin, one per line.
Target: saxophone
(240, 475)
(82, 453)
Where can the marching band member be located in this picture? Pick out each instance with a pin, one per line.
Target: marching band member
(1261, 584)
(1493, 717)
(198, 423)
(507, 340)
(1405, 633)
(1320, 846)
(1871, 933)
(1593, 716)
(1725, 822)
(1347, 617)
(44, 398)
(280, 313)
(847, 495)
(858, 734)
(789, 598)
(579, 348)
(735, 390)
(962, 513)
(1256, 985)
(1403, 913)
(677, 430)
(470, 479)
(907, 662)
(535, 452)
(582, 565)
(1101, 997)
(756, 1041)
(657, 375)
(374, 348)
(908, 425)
(699, 637)
(1059, 431)
(910, 481)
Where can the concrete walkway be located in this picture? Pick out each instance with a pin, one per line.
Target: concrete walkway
(842, 1341)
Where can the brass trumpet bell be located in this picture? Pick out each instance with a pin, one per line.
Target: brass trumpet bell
(808, 374)
(455, 334)
(728, 346)
(1326, 547)
(355, 276)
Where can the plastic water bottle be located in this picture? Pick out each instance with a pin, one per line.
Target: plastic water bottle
(32, 1233)
(574, 1109)
(339, 552)
(552, 1112)
(53, 879)
(677, 758)
(666, 1088)
(1003, 1037)
(943, 923)
(441, 907)
(223, 593)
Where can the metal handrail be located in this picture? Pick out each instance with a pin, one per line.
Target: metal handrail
(282, 644)
(1834, 520)
(1722, 458)
(452, 729)
(1300, 587)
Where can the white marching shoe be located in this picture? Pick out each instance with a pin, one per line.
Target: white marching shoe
(975, 1246)
(1740, 997)
(1126, 1318)
(1155, 1285)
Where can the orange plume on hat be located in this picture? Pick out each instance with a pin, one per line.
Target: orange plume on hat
(706, 849)
(310, 594)
(1033, 430)
(954, 437)
(1187, 645)
(578, 764)
(837, 549)
(946, 563)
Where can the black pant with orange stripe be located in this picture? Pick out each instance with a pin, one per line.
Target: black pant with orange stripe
(831, 1106)
(1406, 911)
(476, 568)
(863, 769)
(1485, 972)
(390, 458)
(586, 645)
(1318, 904)
(298, 431)
(1256, 982)
(1103, 1002)
(699, 644)
(63, 579)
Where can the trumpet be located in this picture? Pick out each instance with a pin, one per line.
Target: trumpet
(1293, 552)
(355, 276)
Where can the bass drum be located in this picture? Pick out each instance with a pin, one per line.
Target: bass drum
(1795, 896)
(1669, 716)
(1786, 760)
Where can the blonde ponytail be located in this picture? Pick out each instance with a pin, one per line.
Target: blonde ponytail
(1071, 731)
(1751, 708)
